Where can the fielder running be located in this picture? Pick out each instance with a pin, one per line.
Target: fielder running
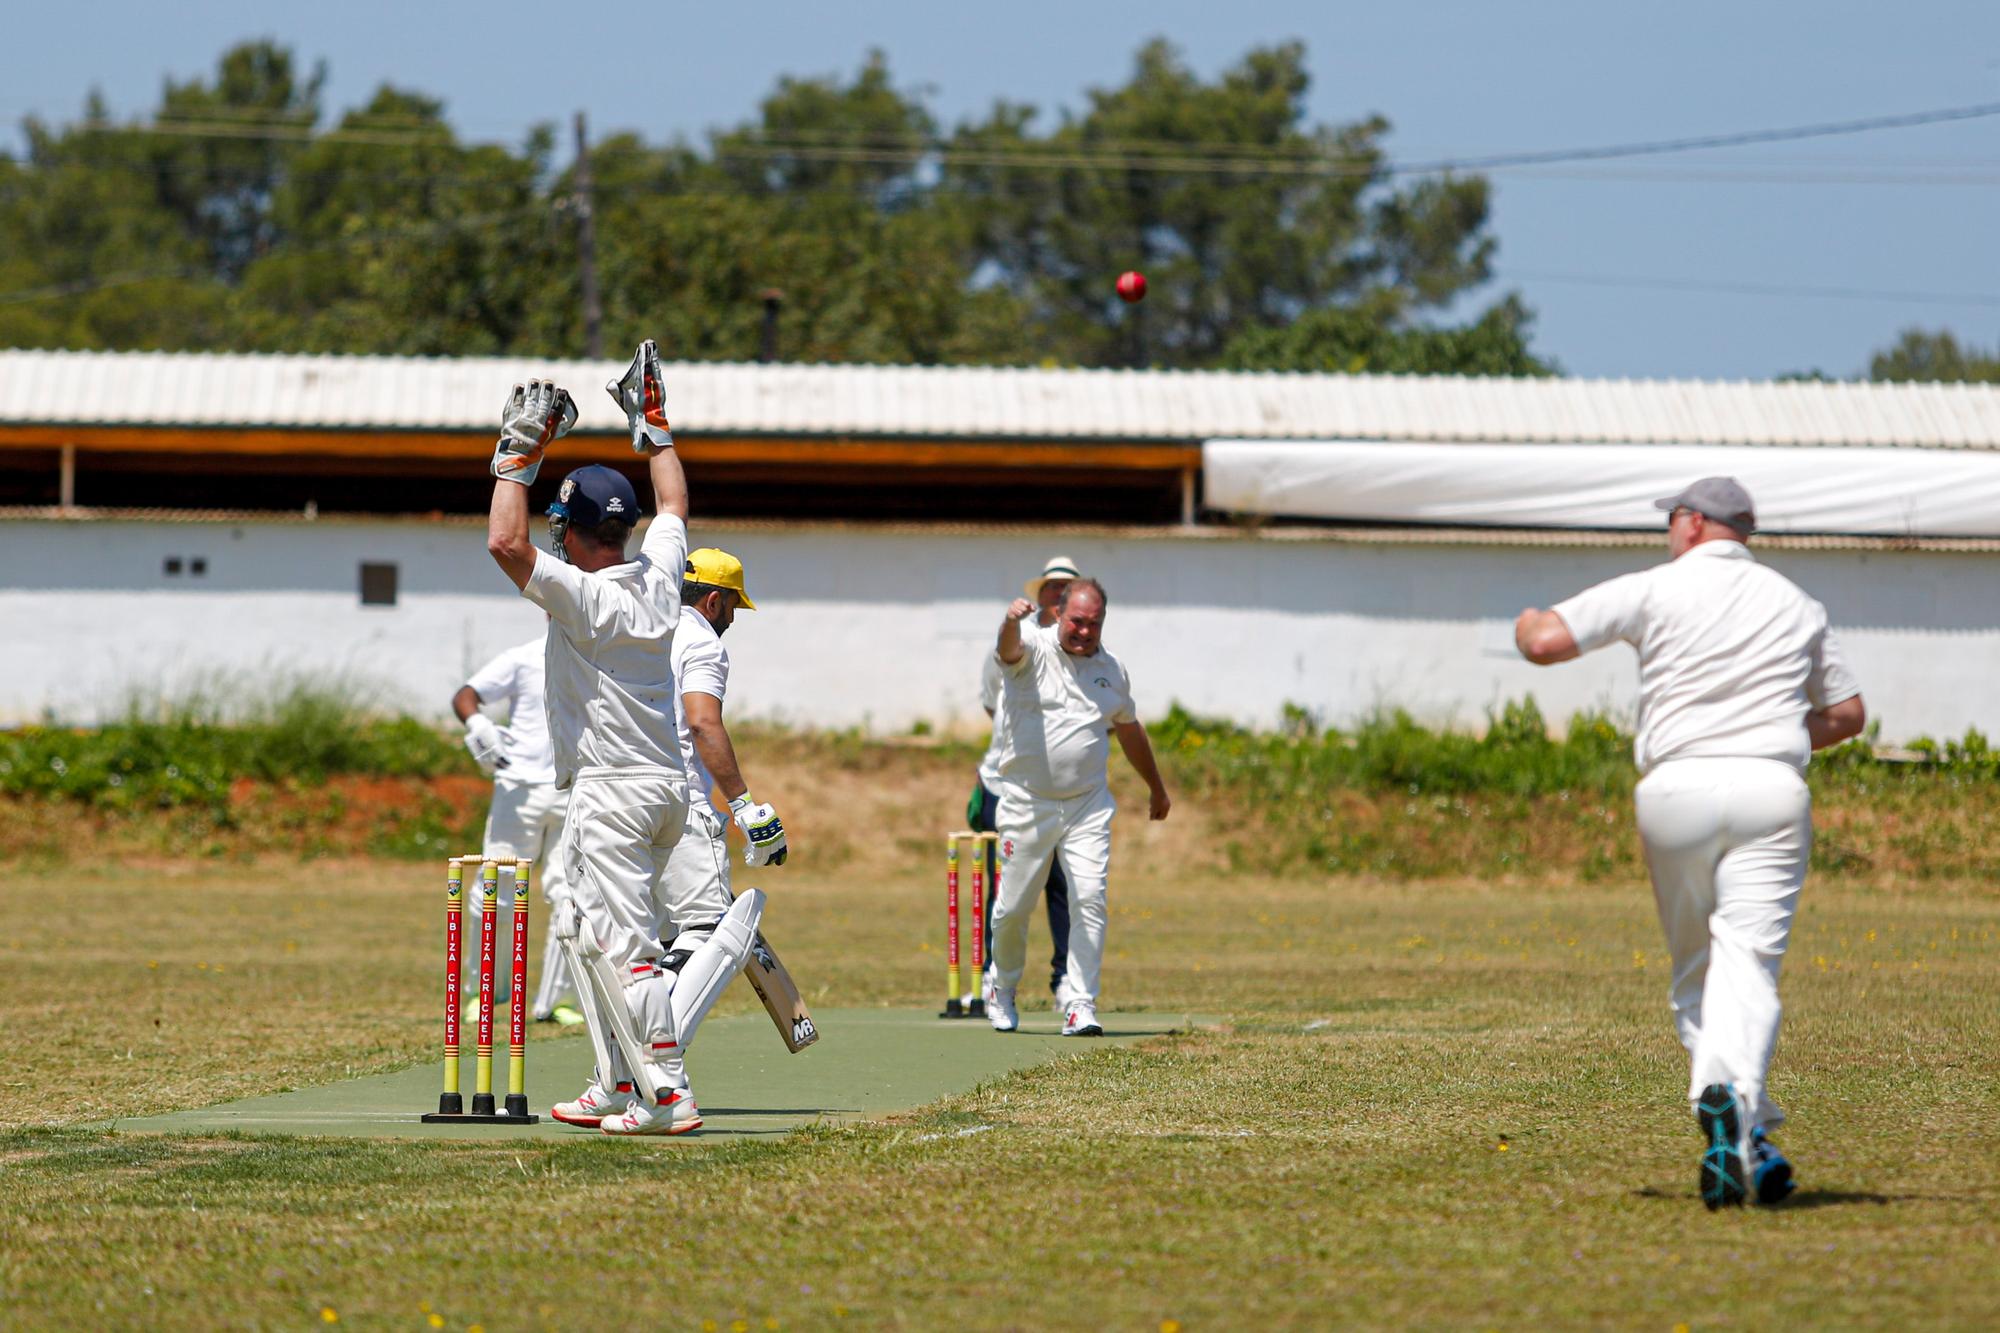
(1066, 695)
(981, 812)
(526, 817)
(1739, 681)
(694, 891)
(611, 716)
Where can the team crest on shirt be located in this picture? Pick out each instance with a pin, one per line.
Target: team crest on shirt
(1007, 848)
(1103, 683)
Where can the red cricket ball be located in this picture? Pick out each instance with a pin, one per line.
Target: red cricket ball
(1132, 285)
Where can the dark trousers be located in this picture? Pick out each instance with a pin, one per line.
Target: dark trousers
(981, 812)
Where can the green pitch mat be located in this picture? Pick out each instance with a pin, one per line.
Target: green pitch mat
(867, 1062)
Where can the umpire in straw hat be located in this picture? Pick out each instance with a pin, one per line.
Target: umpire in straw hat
(1046, 591)
(1739, 681)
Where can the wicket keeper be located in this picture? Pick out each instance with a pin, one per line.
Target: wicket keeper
(611, 718)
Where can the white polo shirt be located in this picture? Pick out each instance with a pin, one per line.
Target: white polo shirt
(515, 679)
(1059, 711)
(1732, 655)
(610, 656)
(701, 666)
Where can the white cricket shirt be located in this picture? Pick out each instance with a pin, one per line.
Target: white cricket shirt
(993, 699)
(1059, 711)
(610, 656)
(1732, 655)
(514, 680)
(701, 666)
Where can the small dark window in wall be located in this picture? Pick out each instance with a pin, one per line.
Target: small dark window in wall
(171, 565)
(198, 565)
(378, 584)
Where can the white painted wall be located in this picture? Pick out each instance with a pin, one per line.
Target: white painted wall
(881, 630)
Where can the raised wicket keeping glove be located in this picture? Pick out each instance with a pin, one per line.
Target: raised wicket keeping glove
(641, 393)
(483, 739)
(760, 824)
(537, 414)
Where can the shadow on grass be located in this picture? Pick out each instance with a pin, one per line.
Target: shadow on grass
(1805, 1198)
(1834, 1198)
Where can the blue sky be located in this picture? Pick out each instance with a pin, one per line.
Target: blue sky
(1610, 255)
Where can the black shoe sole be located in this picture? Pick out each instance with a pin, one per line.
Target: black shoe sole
(1720, 1119)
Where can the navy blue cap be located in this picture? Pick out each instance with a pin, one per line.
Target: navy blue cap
(592, 494)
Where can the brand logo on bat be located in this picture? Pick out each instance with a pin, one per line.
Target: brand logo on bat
(803, 1031)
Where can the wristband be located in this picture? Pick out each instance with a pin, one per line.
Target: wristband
(737, 805)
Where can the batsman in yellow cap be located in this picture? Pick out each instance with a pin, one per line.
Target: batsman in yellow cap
(693, 891)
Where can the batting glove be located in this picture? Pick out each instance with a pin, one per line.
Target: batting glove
(641, 393)
(760, 824)
(566, 922)
(537, 414)
(485, 742)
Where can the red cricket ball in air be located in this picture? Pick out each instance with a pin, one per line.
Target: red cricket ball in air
(1132, 286)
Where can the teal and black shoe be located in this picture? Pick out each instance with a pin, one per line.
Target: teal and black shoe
(1770, 1173)
(1722, 1166)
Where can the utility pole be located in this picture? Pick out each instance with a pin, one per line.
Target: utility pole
(586, 249)
(767, 351)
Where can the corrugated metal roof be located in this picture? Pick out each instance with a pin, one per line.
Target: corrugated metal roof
(353, 392)
(1300, 534)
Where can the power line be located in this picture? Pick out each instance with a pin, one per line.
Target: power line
(1651, 148)
(1306, 159)
(1760, 176)
(85, 287)
(1750, 288)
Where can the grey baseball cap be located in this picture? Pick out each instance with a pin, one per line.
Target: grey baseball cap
(1720, 498)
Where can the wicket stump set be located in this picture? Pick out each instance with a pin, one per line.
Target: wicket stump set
(451, 1107)
(985, 859)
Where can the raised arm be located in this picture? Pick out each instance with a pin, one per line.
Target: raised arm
(641, 392)
(1138, 748)
(536, 415)
(507, 532)
(1009, 647)
(670, 489)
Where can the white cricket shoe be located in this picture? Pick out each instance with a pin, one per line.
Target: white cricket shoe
(1000, 1011)
(677, 1115)
(593, 1106)
(1080, 1020)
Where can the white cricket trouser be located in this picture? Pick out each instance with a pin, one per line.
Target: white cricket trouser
(694, 891)
(1033, 831)
(526, 820)
(1726, 845)
(616, 843)
(622, 826)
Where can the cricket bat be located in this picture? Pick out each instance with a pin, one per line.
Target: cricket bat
(775, 987)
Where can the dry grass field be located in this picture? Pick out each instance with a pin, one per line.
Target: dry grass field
(1442, 1102)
